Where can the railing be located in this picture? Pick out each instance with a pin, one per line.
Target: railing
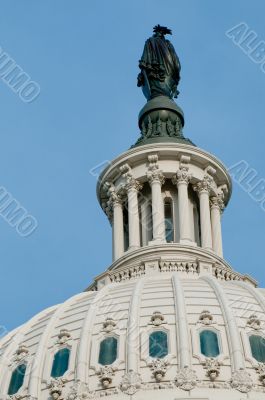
(190, 269)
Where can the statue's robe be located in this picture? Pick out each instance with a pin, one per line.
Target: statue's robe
(160, 68)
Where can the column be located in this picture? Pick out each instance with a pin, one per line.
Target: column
(115, 204)
(117, 229)
(156, 180)
(203, 188)
(217, 206)
(182, 179)
(133, 188)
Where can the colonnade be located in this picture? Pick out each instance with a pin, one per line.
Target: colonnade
(210, 209)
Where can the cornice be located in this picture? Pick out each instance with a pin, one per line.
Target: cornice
(140, 154)
(170, 257)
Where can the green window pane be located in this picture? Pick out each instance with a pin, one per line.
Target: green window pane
(17, 379)
(60, 363)
(108, 351)
(257, 344)
(158, 344)
(209, 344)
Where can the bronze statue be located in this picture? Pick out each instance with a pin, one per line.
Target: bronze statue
(160, 66)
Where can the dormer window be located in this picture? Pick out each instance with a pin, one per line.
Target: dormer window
(257, 344)
(60, 363)
(108, 351)
(17, 379)
(158, 344)
(209, 343)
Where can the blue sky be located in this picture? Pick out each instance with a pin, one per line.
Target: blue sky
(84, 55)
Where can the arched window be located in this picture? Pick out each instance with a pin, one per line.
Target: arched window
(126, 227)
(257, 344)
(209, 344)
(108, 351)
(169, 225)
(17, 379)
(60, 363)
(149, 223)
(158, 344)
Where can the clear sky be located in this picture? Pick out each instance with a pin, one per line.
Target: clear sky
(84, 55)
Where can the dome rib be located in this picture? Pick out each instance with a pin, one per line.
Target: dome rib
(254, 292)
(83, 352)
(15, 341)
(39, 359)
(234, 339)
(182, 323)
(133, 328)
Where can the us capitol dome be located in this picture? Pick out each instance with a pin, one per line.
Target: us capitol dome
(170, 318)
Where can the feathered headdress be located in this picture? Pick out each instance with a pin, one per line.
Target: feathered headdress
(162, 29)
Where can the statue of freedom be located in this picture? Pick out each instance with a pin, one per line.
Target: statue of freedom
(160, 66)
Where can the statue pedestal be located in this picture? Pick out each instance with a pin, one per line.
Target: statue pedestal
(161, 120)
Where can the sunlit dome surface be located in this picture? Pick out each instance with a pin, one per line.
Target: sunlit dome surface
(155, 324)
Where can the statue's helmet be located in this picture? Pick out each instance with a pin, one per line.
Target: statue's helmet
(163, 30)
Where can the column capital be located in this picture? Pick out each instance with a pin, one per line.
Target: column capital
(131, 182)
(217, 202)
(154, 173)
(182, 176)
(114, 197)
(205, 185)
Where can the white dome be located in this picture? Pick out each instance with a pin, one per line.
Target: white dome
(180, 295)
(169, 318)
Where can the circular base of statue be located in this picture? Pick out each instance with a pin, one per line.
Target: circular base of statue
(161, 120)
(163, 106)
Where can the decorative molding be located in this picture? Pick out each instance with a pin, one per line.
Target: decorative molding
(205, 185)
(128, 274)
(106, 374)
(159, 386)
(79, 391)
(241, 381)
(206, 318)
(223, 273)
(214, 385)
(254, 322)
(169, 126)
(179, 266)
(131, 182)
(56, 388)
(22, 395)
(63, 337)
(186, 379)
(153, 172)
(261, 372)
(217, 202)
(159, 368)
(182, 176)
(212, 366)
(220, 272)
(109, 325)
(157, 318)
(21, 353)
(131, 383)
(210, 170)
(114, 197)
